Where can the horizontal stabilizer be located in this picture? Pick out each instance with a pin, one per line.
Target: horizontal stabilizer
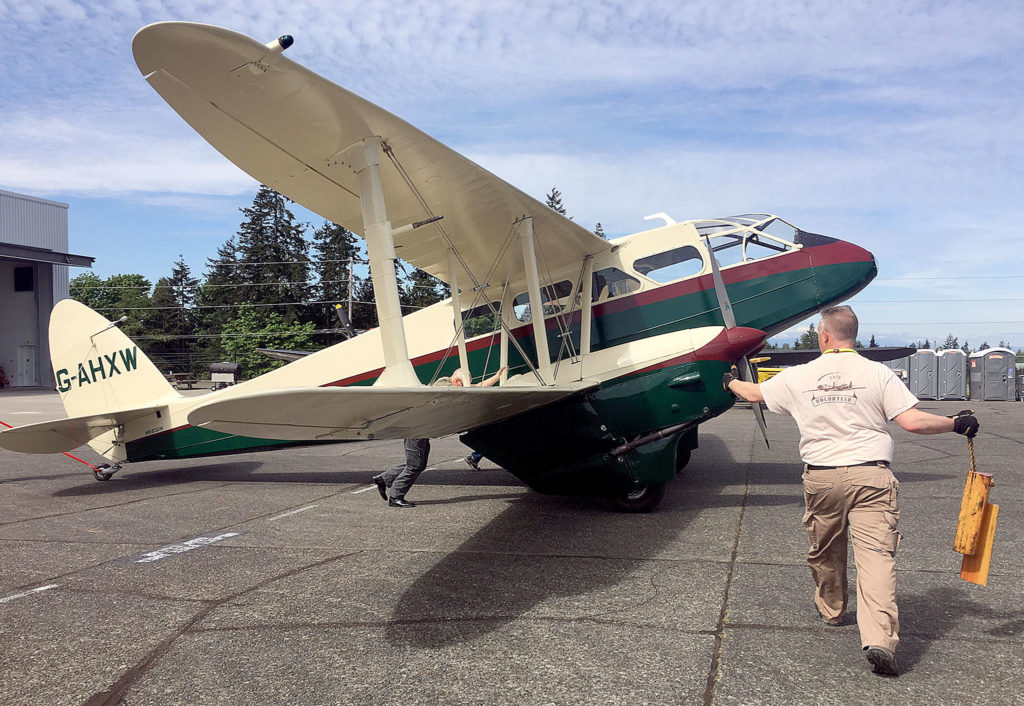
(350, 413)
(59, 435)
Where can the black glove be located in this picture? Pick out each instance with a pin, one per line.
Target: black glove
(729, 377)
(964, 422)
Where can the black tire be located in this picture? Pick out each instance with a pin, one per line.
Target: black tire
(102, 475)
(643, 498)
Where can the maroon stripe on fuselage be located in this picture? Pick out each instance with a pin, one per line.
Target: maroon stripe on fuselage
(835, 252)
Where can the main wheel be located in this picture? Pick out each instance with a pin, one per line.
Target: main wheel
(102, 475)
(642, 498)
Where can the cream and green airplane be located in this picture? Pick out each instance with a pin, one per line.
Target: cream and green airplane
(603, 392)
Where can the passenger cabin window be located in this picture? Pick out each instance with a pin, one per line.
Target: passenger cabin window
(553, 295)
(671, 265)
(612, 282)
(481, 320)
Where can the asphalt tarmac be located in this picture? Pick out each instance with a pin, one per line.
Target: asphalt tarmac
(281, 577)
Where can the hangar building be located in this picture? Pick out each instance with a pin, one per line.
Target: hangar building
(34, 262)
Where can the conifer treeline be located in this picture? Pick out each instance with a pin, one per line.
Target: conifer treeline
(268, 286)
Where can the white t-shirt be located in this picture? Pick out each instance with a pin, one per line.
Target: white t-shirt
(842, 404)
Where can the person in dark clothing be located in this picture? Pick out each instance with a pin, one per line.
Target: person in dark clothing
(400, 478)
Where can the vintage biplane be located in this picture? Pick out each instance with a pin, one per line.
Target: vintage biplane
(615, 349)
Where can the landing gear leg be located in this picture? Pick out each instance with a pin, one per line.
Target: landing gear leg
(105, 471)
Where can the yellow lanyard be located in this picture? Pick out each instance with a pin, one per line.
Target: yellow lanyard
(839, 350)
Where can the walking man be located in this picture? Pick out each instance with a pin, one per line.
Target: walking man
(400, 478)
(842, 404)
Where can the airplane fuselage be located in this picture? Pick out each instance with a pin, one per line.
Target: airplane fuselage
(768, 293)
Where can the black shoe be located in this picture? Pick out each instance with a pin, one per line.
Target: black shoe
(400, 502)
(382, 487)
(473, 463)
(883, 661)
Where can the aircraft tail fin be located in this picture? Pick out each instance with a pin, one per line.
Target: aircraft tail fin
(99, 369)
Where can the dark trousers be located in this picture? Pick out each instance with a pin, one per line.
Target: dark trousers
(401, 477)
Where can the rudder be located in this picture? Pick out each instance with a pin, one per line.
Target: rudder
(98, 368)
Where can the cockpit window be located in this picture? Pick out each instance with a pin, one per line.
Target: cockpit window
(671, 265)
(612, 282)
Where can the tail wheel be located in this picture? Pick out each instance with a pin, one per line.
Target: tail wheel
(104, 472)
(642, 498)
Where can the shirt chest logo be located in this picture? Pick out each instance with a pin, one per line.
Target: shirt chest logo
(834, 388)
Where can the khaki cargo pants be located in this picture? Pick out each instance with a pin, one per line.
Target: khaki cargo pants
(865, 501)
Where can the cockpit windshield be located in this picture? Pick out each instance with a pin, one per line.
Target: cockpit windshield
(747, 237)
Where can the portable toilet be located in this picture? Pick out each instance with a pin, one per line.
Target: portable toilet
(900, 366)
(993, 374)
(952, 374)
(922, 379)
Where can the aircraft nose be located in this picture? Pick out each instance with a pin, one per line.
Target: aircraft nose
(841, 269)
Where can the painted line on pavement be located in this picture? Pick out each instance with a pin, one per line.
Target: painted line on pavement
(357, 492)
(181, 547)
(28, 593)
(292, 512)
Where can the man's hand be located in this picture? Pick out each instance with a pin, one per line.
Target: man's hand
(729, 377)
(964, 422)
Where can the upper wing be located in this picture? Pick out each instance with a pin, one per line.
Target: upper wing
(313, 413)
(58, 435)
(286, 126)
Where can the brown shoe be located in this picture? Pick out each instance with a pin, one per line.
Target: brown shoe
(883, 661)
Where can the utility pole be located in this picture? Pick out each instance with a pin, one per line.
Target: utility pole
(350, 265)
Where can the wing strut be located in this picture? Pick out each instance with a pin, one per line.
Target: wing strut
(457, 316)
(363, 158)
(588, 305)
(540, 334)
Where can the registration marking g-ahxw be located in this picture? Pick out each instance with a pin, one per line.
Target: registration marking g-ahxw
(182, 547)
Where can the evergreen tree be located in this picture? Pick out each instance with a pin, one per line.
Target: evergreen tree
(554, 201)
(983, 346)
(274, 256)
(364, 311)
(174, 319)
(334, 248)
(950, 342)
(966, 348)
(599, 231)
(220, 291)
(808, 340)
(871, 343)
(423, 289)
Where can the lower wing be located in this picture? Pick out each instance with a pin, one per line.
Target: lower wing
(349, 413)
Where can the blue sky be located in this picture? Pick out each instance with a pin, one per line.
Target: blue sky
(896, 126)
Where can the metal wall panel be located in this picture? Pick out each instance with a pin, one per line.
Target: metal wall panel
(26, 220)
